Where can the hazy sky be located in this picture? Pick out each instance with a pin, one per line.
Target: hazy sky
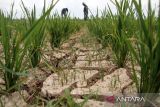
(75, 6)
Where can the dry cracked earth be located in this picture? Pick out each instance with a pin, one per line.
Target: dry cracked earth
(79, 65)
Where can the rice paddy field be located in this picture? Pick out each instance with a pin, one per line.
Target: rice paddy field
(52, 61)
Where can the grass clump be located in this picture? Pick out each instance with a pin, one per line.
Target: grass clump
(15, 43)
(100, 29)
(147, 51)
(37, 44)
(122, 29)
(60, 29)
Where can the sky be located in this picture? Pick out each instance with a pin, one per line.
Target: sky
(75, 7)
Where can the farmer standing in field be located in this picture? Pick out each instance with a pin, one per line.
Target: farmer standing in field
(85, 11)
(64, 12)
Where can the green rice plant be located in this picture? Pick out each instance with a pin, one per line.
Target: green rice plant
(146, 51)
(37, 44)
(100, 29)
(59, 29)
(1, 15)
(95, 28)
(122, 29)
(15, 44)
(75, 26)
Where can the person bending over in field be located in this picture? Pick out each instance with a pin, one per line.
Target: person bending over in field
(85, 11)
(64, 12)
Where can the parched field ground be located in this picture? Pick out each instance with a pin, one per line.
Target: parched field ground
(79, 65)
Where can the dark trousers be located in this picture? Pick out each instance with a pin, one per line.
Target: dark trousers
(85, 16)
